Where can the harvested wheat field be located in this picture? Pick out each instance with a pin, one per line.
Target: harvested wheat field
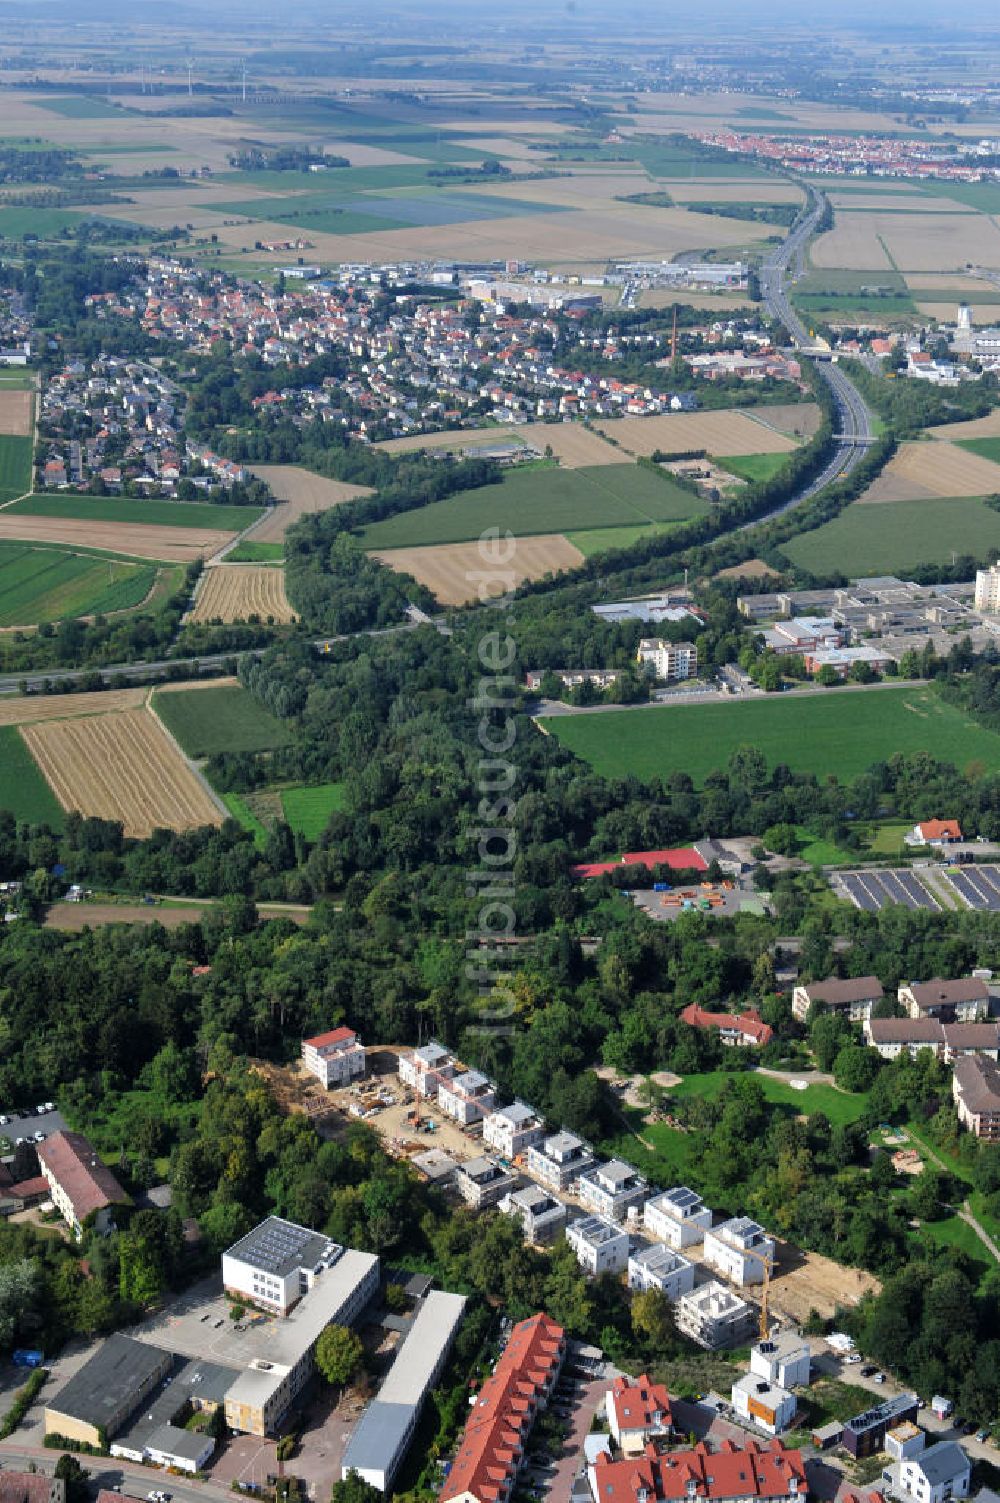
(121, 766)
(16, 412)
(984, 427)
(450, 570)
(457, 440)
(137, 539)
(235, 592)
(299, 491)
(796, 419)
(945, 283)
(723, 432)
(944, 313)
(920, 470)
(27, 709)
(813, 1282)
(575, 446)
(908, 242)
(710, 302)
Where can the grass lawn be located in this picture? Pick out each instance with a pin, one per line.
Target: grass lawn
(17, 220)
(307, 810)
(15, 465)
(821, 852)
(754, 466)
(841, 1107)
(837, 735)
(245, 817)
(16, 378)
(667, 1163)
(23, 790)
(205, 514)
(53, 584)
(987, 448)
(544, 500)
(601, 539)
(895, 536)
(220, 719)
(257, 553)
(953, 1232)
(887, 840)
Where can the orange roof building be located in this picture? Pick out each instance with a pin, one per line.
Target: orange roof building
(730, 1475)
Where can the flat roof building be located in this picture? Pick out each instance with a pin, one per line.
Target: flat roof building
(101, 1397)
(335, 1058)
(600, 1246)
(714, 1316)
(483, 1182)
(383, 1435)
(865, 1433)
(541, 1214)
(511, 1130)
(677, 1217)
(559, 1160)
(425, 1069)
(612, 1190)
(739, 1249)
(659, 1267)
(275, 1265)
(762, 1403)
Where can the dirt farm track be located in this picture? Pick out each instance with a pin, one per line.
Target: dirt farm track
(122, 766)
(235, 592)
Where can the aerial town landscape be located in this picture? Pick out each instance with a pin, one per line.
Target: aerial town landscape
(499, 753)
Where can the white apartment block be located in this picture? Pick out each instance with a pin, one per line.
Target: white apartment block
(335, 1058)
(276, 1264)
(466, 1098)
(600, 1246)
(482, 1182)
(512, 1130)
(542, 1216)
(766, 1405)
(668, 660)
(739, 1249)
(425, 1069)
(658, 1267)
(783, 1360)
(611, 1190)
(558, 1161)
(678, 1217)
(987, 597)
(714, 1316)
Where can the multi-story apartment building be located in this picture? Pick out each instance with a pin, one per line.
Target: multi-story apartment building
(511, 1130)
(600, 1246)
(658, 1267)
(611, 1190)
(714, 1316)
(466, 1098)
(678, 1217)
(739, 1249)
(425, 1069)
(975, 1088)
(668, 660)
(335, 1058)
(559, 1160)
(855, 999)
(542, 1215)
(483, 1182)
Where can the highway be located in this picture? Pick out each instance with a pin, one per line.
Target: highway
(854, 420)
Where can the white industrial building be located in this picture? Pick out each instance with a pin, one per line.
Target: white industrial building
(600, 1246)
(768, 1406)
(511, 1130)
(385, 1430)
(678, 1217)
(658, 1267)
(783, 1359)
(276, 1264)
(335, 1058)
(739, 1249)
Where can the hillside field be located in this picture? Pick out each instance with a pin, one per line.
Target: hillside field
(896, 536)
(55, 584)
(836, 734)
(542, 500)
(221, 718)
(307, 810)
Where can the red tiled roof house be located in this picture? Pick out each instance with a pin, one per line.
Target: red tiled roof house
(84, 1190)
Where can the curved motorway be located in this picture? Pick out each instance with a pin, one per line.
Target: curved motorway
(854, 417)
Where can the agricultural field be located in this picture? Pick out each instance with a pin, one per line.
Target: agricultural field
(15, 457)
(986, 448)
(201, 515)
(921, 469)
(17, 709)
(298, 492)
(984, 427)
(240, 592)
(17, 408)
(307, 810)
(908, 242)
(53, 584)
(23, 790)
(892, 538)
(219, 717)
(575, 446)
(121, 766)
(166, 544)
(543, 500)
(451, 571)
(754, 466)
(256, 553)
(600, 539)
(719, 433)
(837, 734)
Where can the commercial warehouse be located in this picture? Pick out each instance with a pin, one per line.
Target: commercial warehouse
(386, 1428)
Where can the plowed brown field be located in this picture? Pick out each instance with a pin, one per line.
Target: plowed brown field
(919, 470)
(235, 592)
(16, 410)
(121, 766)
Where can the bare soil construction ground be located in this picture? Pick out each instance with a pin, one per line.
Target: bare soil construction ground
(722, 432)
(450, 570)
(920, 470)
(815, 1283)
(754, 568)
(138, 539)
(299, 491)
(235, 592)
(121, 766)
(16, 412)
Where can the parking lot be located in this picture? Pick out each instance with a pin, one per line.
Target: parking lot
(27, 1123)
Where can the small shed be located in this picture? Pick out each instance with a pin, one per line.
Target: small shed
(827, 1436)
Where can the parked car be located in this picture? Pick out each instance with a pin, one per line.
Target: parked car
(868, 1371)
(982, 1436)
(879, 1378)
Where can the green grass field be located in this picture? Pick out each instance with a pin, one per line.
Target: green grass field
(754, 466)
(23, 790)
(53, 584)
(544, 500)
(838, 734)
(80, 107)
(895, 536)
(219, 719)
(16, 221)
(15, 465)
(244, 816)
(307, 810)
(205, 514)
(838, 1106)
(986, 448)
(820, 852)
(256, 553)
(600, 539)
(16, 378)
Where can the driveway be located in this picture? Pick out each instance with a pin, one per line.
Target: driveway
(570, 1460)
